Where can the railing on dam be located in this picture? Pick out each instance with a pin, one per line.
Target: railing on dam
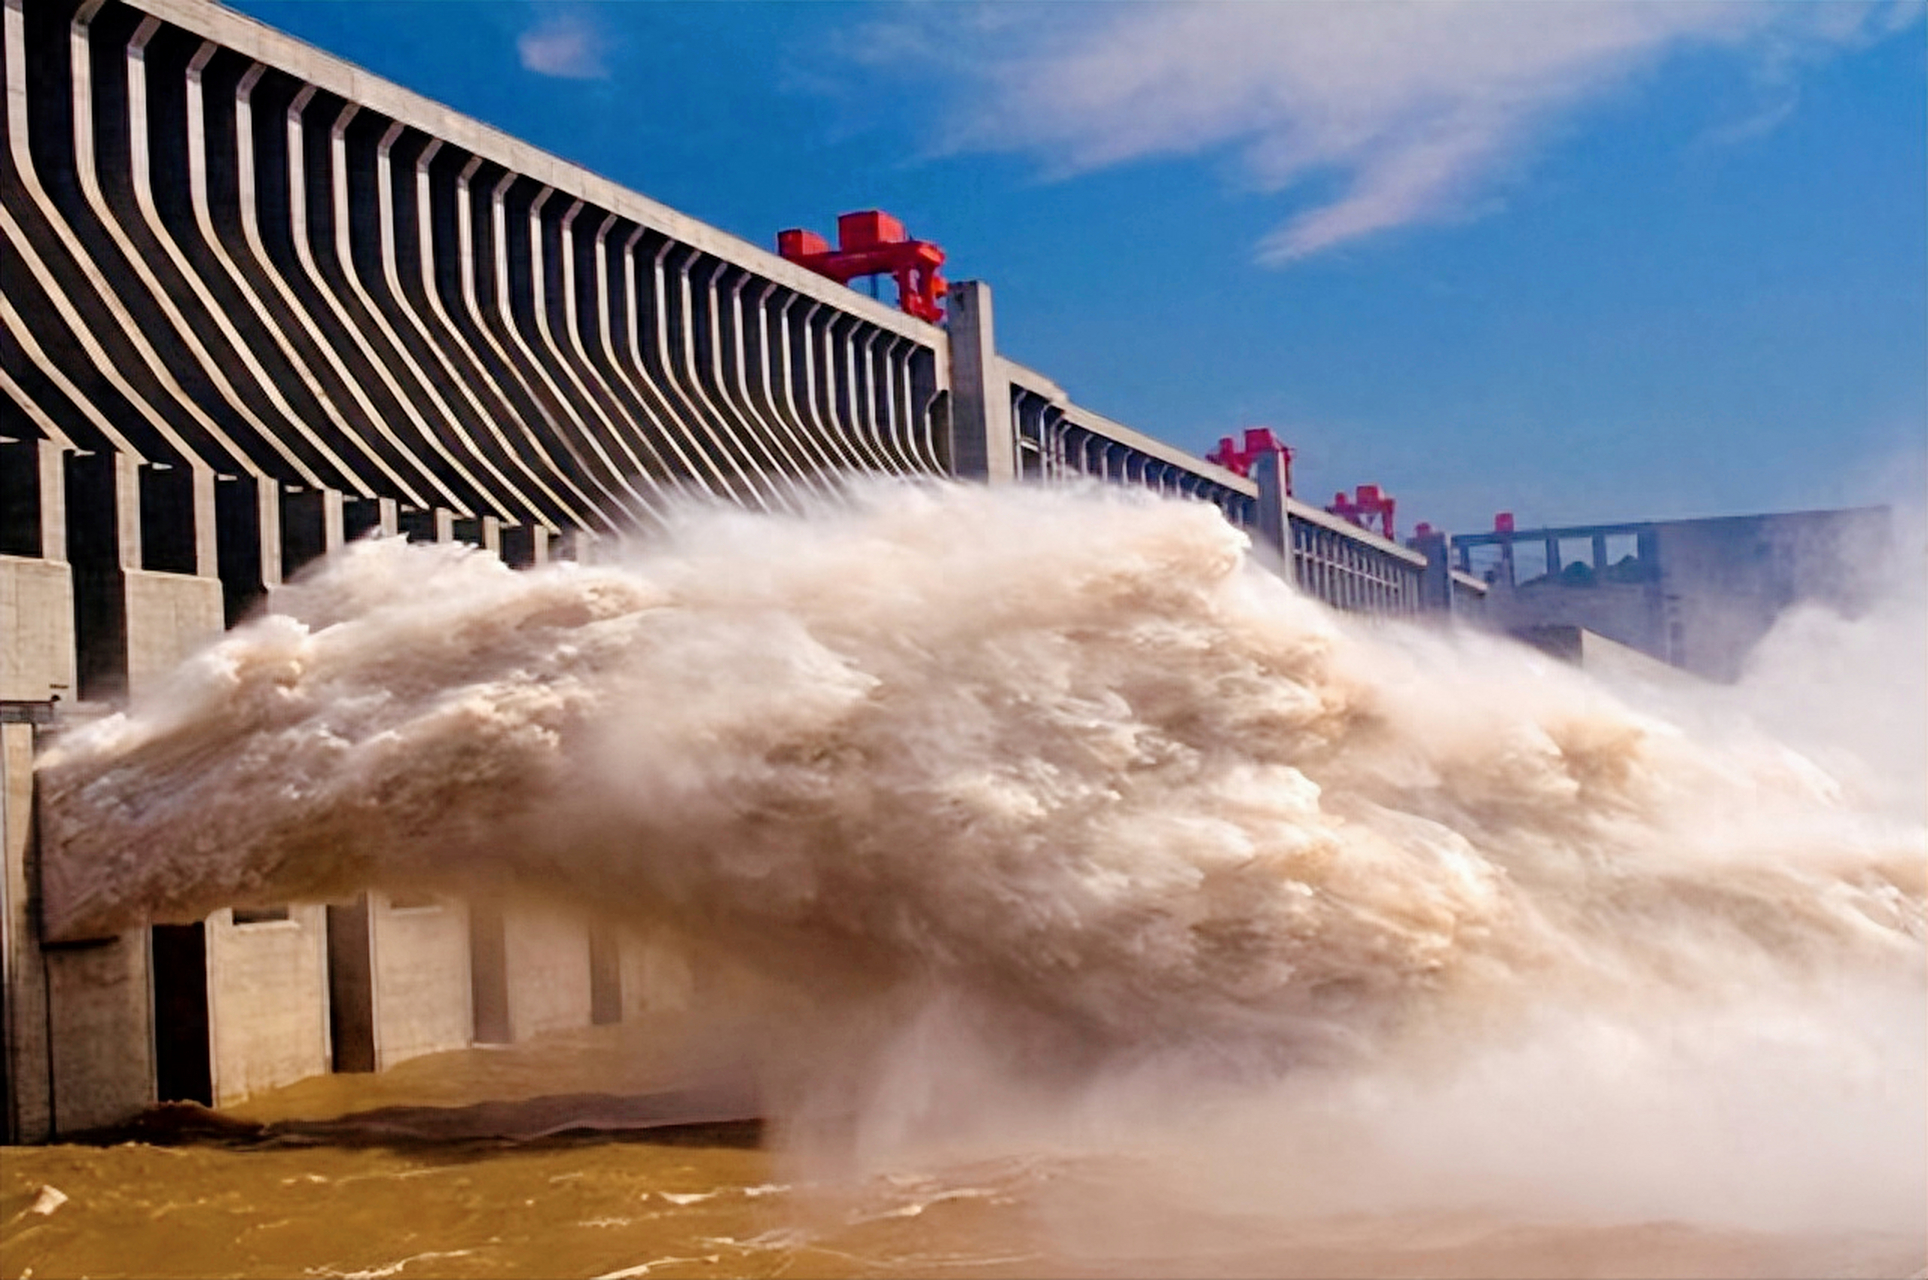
(1342, 564)
(1055, 440)
(1353, 568)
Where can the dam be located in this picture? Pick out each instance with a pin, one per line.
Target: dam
(259, 304)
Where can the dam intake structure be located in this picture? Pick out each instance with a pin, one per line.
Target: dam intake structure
(987, 830)
(259, 304)
(367, 476)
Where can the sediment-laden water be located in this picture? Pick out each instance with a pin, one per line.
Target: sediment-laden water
(412, 1174)
(1110, 910)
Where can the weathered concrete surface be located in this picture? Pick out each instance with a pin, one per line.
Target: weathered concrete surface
(420, 959)
(267, 1001)
(547, 955)
(1628, 613)
(1698, 594)
(1602, 656)
(169, 616)
(79, 1026)
(657, 976)
(36, 629)
(36, 663)
(29, 1115)
(982, 447)
(100, 1031)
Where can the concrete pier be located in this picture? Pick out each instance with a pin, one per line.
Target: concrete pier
(399, 980)
(532, 970)
(266, 979)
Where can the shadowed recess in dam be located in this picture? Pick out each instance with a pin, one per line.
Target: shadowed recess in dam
(1063, 769)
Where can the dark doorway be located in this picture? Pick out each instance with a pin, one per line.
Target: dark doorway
(95, 550)
(489, 973)
(182, 1068)
(351, 986)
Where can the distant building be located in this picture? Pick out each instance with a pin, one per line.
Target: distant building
(1698, 594)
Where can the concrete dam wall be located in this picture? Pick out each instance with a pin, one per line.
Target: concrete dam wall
(258, 303)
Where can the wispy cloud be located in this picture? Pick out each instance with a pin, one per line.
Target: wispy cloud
(1417, 110)
(564, 44)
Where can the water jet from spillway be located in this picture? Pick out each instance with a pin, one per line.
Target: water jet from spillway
(1020, 782)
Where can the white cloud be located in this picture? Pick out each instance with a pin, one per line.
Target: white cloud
(1416, 109)
(563, 44)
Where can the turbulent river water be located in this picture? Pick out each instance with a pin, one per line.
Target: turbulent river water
(1103, 907)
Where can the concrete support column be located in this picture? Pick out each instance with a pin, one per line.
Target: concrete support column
(531, 971)
(1275, 522)
(98, 1030)
(415, 982)
(1553, 557)
(982, 447)
(207, 544)
(1599, 553)
(28, 1094)
(1436, 579)
(172, 597)
(266, 984)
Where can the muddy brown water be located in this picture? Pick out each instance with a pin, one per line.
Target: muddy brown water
(575, 1156)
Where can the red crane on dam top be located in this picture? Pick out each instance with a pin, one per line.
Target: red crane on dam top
(871, 242)
(1367, 504)
(1259, 441)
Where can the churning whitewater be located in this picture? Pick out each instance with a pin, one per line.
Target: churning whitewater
(1069, 760)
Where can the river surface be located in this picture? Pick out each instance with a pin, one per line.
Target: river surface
(444, 1167)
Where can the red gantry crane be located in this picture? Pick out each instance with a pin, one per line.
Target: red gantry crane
(1259, 441)
(1366, 505)
(872, 243)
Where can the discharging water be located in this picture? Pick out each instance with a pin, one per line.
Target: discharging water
(1105, 908)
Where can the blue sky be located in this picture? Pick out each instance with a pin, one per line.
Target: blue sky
(1578, 261)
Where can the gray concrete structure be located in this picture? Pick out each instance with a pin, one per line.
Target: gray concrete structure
(267, 982)
(257, 303)
(420, 976)
(1694, 593)
(533, 970)
(1602, 657)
